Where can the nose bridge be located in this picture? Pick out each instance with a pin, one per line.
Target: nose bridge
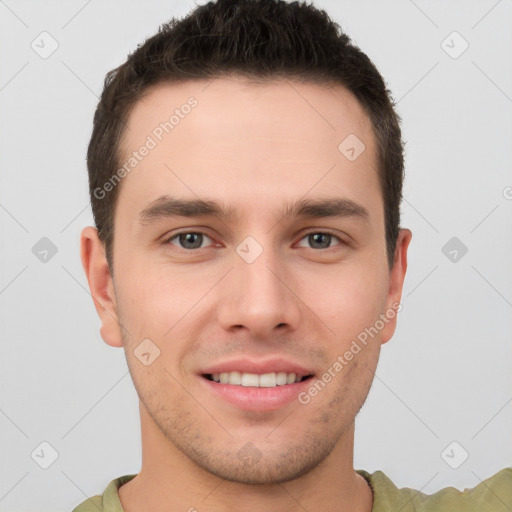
(256, 295)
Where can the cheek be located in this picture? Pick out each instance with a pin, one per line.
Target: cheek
(163, 307)
(153, 300)
(347, 300)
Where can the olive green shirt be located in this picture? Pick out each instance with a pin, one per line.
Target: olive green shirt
(493, 494)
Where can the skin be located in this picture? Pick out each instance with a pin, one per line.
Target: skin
(253, 146)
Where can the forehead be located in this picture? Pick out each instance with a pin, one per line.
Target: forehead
(249, 142)
(275, 108)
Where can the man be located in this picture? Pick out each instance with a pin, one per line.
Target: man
(246, 170)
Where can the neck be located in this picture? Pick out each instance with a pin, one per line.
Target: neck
(168, 481)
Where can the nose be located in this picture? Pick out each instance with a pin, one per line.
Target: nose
(259, 296)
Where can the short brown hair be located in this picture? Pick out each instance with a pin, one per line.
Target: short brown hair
(257, 39)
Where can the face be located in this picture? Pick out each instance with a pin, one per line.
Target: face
(277, 266)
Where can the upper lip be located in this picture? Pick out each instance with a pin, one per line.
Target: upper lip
(269, 365)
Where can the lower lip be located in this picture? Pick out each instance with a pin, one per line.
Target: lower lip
(257, 399)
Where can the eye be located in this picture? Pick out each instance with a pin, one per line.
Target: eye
(188, 239)
(322, 240)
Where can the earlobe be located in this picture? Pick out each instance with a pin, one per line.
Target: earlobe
(396, 282)
(101, 285)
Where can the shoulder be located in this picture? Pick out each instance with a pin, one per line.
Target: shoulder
(93, 503)
(106, 502)
(492, 494)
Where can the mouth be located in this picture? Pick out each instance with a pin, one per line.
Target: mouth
(258, 388)
(255, 380)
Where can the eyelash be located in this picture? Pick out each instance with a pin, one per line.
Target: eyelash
(325, 232)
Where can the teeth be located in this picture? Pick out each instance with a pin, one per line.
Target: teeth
(266, 380)
(281, 378)
(290, 378)
(250, 379)
(235, 378)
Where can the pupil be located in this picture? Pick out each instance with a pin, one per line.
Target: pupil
(189, 238)
(315, 237)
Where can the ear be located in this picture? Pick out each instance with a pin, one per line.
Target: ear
(101, 285)
(396, 282)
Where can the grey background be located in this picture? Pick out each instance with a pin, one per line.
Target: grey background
(444, 377)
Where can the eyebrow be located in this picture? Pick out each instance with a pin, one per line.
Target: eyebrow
(167, 207)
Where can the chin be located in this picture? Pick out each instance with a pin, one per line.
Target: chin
(252, 466)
